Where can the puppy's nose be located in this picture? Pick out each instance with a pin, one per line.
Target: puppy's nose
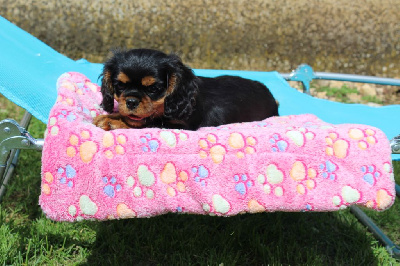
(132, 103)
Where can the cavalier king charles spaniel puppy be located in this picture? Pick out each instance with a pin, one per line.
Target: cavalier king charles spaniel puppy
(148, 88)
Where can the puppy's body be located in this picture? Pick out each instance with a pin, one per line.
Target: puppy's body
(157, 90)
(230, 99)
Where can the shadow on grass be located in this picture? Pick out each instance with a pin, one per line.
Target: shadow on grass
(251, 239)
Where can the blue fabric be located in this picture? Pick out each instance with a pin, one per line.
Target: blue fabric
(29, 70)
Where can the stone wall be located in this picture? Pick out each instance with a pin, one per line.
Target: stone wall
(361, 36)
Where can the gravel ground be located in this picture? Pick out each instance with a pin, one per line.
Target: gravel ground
(361, 36)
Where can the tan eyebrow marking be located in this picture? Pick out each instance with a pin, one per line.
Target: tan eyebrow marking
(148, 81)
(123, 77)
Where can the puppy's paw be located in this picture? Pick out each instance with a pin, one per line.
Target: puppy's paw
(109, 122)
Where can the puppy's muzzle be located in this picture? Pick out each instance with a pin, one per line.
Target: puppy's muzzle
(132, 103)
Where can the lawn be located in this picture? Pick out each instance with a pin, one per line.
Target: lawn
(28, 238)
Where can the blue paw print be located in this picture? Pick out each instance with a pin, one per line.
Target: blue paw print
(278, 144)
(370, 174)
(242, 184)
(328, 169)
(111, 186)
(307, 208)
(201, 173)
(149, 143)
(70, 173)
(68, 115)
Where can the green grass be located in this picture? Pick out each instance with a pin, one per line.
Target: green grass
(340, 94)
(28, 238)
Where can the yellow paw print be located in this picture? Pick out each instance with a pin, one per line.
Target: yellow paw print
(209, 145)
(245, 145)
(304, 176)
(365, 138)
(383, 200)
(65, 100)
(169, 176)
(113, 145)
(81, 143)
(48, 179)
(271, 180)
(336, 147)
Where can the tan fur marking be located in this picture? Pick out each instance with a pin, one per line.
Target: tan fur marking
(123, 77)
(171, 85)
(148, 81)
(107, 81)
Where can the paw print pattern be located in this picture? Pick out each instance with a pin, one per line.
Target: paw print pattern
(328, 169)
(370, 174)
(113, 144)
(175, 181)
(65, 100)
(79, 87)
(300, 136)
(70, 116)
(365, 138)
(262, 124)
(83, 145)
(201, 174)
(172, 137)
(242, 184)
(48, 180)
(92, 112)
(66, 175)
(382, 200)
(271, 180)
(219, 205)
(336, 147)
(142, 185)
(111, 186)
(304, 176)
(244, 145)
(349, 195)
(209, 146)
(52, 127)
(308, 208)
(149, 144)
(278, 144)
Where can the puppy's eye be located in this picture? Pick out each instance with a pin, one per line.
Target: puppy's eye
(153, 89)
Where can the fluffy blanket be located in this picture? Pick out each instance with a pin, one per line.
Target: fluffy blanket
(290, 163)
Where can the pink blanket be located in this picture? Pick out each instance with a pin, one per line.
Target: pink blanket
(290, 163)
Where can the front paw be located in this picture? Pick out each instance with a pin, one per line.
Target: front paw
(109, 122)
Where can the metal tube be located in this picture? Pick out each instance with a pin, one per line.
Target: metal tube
(9, 172)
(357, 78)
(391, 247)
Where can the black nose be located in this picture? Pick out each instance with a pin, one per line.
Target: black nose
(132, 103)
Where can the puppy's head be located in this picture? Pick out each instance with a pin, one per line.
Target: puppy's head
(148, 84)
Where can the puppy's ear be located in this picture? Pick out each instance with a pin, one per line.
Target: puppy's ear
(107, 90)
(182, 90)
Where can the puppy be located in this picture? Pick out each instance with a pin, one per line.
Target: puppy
(154, 89)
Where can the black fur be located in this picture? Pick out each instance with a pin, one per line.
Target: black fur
(194, 101)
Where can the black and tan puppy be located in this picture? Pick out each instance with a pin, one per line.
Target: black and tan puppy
(154, 89)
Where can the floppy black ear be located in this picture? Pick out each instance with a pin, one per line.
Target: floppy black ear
(107, 90)
(182, 90)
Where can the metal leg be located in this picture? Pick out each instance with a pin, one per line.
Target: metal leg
(14, 137)
(391, 247)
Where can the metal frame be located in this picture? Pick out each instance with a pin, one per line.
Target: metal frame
(14, 137)
(305, 74)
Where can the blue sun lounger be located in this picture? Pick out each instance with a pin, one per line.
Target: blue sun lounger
(29, 70)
